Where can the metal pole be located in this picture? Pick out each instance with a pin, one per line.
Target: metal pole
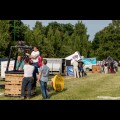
(14, 30)
(9, 59)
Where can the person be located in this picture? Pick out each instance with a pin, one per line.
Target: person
(20, 63)
(112, 67)
(105, 69)
(34, 58)
(28, 79)
(116, 66)
(40, 59)
(43, 78)
(75, 67)
(80, 66)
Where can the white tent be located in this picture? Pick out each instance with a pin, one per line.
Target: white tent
(75, 56)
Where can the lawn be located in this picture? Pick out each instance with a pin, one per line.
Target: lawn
(91, 87)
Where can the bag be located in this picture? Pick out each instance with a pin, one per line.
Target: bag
(40, 61)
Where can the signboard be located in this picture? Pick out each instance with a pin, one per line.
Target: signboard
(54, 64)
(89, 61)
(4, 65)
(70, 71)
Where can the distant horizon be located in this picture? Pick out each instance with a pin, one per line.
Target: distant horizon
(93, 26)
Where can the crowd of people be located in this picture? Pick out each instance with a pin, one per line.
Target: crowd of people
(35, 71)
(109, 66)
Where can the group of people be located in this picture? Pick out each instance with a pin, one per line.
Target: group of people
(78, 67)
(33, 65)
(109, 67)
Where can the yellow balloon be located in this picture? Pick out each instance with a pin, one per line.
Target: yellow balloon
(58, 83)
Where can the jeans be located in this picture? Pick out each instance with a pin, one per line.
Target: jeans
(82, 71)
(44, 91)
(34, 73)
(27, 82)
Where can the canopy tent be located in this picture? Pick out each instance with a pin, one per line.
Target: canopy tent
(75, 56)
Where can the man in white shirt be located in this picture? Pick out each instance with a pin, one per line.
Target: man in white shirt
(34, 57)
(75, 67)
(28, 79)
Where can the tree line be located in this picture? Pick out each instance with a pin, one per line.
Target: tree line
(58, 40)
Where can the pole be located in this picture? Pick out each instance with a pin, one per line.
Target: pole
(14, 30)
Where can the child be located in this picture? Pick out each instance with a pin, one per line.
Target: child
(43, 78)
(106, 69)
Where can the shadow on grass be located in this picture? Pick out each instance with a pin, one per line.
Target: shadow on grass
(56, 92)
(38, 92)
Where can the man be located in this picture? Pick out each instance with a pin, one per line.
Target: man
(75, 66)
(34, 58)
(28, 79)
(80, 66)
(43, 78)
(20, 63)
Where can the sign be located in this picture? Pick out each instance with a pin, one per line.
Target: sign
(4, 65)
(70, 71)
(89, 61)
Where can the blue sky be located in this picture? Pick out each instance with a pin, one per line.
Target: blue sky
(93, 26)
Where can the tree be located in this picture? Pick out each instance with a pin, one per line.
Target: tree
(38, 34)
(17, 29)
(107, 41)
(80, 39)
(4, 37)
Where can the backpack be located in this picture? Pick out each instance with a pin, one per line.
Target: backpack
(40, 61)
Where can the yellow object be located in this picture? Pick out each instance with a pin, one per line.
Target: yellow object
(58, 83)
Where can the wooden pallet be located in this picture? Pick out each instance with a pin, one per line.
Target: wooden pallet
(17, 93)
(13, 84)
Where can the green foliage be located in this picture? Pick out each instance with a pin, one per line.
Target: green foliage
(4, 36)
(60, 40)
(107, 41)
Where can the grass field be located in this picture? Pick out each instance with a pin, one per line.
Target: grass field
(90, 87)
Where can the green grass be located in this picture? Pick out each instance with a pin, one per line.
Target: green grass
(87, 88)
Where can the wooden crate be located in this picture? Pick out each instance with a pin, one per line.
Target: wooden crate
(13, 84)
(17, 93)
(96, 69)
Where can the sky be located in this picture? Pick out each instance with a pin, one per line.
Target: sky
(93, 26)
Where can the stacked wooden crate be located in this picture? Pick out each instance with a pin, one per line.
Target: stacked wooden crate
(13, 84)
(96, 69)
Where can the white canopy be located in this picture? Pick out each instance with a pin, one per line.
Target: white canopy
(75, 56)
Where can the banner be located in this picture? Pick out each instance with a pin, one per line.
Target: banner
(70, 71)
(89, 61)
